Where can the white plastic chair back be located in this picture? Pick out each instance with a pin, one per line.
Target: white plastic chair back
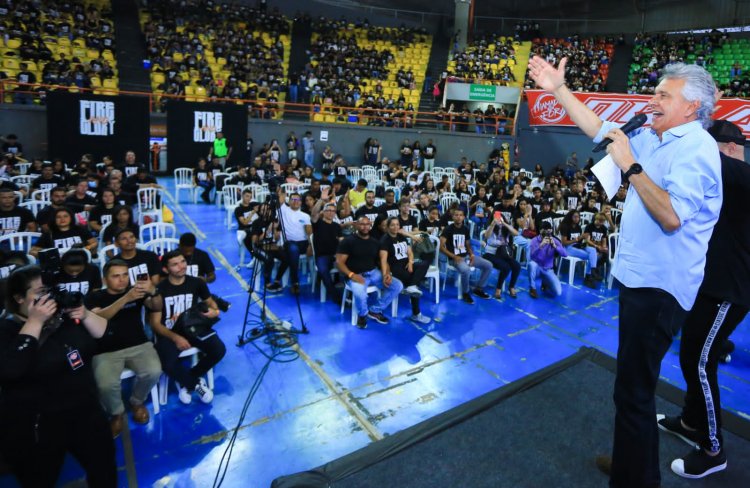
(183, 180)
(162, 246)
(22, 168)
(157, 230)
(20, 241)
(33, 205)
(41, 195)
(149, 203)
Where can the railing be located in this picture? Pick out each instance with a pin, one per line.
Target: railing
(314, 112)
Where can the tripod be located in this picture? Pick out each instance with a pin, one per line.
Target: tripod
(263, 257)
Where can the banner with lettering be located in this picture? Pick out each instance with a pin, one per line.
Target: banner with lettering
(81, 123)
(615, 107)
(192, 129)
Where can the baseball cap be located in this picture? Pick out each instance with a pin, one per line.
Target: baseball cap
(724, 131)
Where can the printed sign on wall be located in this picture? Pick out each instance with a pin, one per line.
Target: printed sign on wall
(80, 123)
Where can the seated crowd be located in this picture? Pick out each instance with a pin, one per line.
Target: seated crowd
(491, 57)
(64, 44)
(217, 51)
(402, 204)
(60, 217)
(588, 59)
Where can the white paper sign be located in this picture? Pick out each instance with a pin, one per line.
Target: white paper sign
(609, 175)
(324, 135)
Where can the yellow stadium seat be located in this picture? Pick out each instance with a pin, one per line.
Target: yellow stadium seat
(13, 43)
(109, 83)
(11, 63)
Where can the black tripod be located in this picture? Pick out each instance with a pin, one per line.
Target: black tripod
(262, 325)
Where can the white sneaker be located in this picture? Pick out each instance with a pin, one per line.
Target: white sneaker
(419, 318)
(185, 396)
(413, 290)
(203, 391)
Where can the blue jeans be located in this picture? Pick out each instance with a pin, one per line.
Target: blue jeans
(293, 251)
(464, 268)
(554, 288)
(207, 186)
(387, 293)
(325, 265)
(293, 93)
(310, 159)
(587, 254)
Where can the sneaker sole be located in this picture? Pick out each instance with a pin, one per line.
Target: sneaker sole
(678, 468)
(687, 440)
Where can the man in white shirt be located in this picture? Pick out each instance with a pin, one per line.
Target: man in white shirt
(296, 228)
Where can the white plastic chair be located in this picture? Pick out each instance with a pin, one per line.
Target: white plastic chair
(22, 168)
(433, 272)
(220, 176)
(232, 196)
(149, 204)
(157, 230)
(572, 263)
(41, 195)
(20, 241)
(355, 174)
(370, 289)
(586, 218)
(129, 373)
(33, 205)
(183, 180)
(192, 353)
(162, 245)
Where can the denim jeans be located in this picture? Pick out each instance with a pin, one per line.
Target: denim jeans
(587, 254)
(554, 288)
(387, 293)
(464, 268)
(293, 251)
(325, 264)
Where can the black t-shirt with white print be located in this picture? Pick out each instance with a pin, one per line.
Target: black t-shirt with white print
(397, 249)
(85, 282)
(64, 240)
(15, 220)
(432, 228)
(178, 298)
(199, 264)
(598, 234)
(143, 262)
(125, 329)
(409, 224)
(456, 239)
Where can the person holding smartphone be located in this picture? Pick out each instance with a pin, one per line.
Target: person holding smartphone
(544, 248)
(499, 252)
(48, 402)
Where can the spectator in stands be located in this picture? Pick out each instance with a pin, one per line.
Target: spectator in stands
(125, 344)
(12, 217)
(356, 259)
(175, 295)
(455, 243)
(544, 248)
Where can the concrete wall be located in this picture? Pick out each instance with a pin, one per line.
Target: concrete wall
(29, 123)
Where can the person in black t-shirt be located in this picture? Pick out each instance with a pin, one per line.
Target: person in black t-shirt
(48, 180)
(204, 178)
(356, 258)
(396, 258)
(122, 218)
(326, 237)
(49, 400)
(178, 293)
(64, 234)
(77, 274)
(198, 261)
(577, 245)
(545, 215)
(124, 344)
(596, 233)
(80, 201)
(45, 215)
(140, 262)
(264, 235)
(390, 207)
(245, 214)
(103, 213)
(455, 243)
(14, 218)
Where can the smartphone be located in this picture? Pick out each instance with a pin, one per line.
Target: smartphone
(142, 277)
(498, 216)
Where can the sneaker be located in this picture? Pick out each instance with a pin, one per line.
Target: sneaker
(533, 293)
(420, 319)
(674, 426)
(467, 298)
(362, 322)
(203, 391)
(698, 464)
(480, 293)
(590, 282)
(274, 287)
(413, 291)
(185, 396)
(378, 317)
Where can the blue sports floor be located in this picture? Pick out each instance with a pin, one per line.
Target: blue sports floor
(350, 387)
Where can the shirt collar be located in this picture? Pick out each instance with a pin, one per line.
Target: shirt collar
(682, 130)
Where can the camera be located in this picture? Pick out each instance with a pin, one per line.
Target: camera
(51, 264)
(547, 233)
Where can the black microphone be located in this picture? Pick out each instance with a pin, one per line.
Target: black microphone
(630, 125)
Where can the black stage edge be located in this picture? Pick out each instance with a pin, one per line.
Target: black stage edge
(339, 469)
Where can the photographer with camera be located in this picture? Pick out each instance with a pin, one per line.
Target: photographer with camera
(48, 401)
(544, 248)
(179, 293)
(124, 344)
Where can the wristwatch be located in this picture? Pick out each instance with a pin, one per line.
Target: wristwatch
(635, 169)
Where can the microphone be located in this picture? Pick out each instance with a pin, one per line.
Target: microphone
(629, 126)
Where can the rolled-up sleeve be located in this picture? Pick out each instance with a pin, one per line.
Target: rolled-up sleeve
(690, 181)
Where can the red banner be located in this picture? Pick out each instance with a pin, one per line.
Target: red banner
(614, 107)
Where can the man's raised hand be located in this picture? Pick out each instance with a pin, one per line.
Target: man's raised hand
(546, 76)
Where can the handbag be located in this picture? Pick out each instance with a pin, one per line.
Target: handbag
(424, 249)
(192, 325)
(505, 251)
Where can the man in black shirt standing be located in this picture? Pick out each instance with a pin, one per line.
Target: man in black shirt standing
(357, 259)
(326, 237)
(124, 344)
(455, 243)
(722, 303)
(178, 293)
